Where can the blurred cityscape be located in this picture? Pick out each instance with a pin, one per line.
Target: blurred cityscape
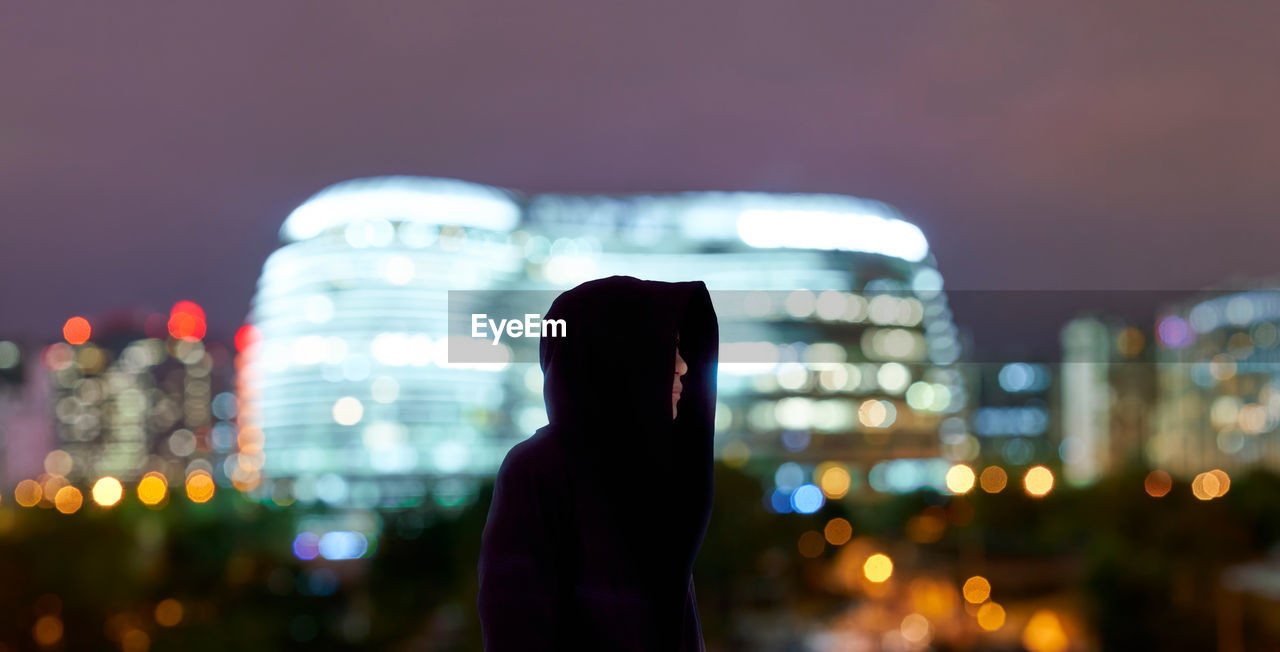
(882, 484)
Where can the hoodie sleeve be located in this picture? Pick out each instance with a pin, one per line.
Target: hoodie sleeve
(519, 581)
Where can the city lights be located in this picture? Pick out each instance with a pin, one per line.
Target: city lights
(76, 330)
(960, 479)
(838, 531)
(1044, 633)
(1038, 481)
(107, 491)
(993, 479)
(68, 499)
(1157, 483)
(152, 489)
(977, 589)
(878, 568)
(991, 616)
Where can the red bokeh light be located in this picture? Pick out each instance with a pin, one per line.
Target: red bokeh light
(76, 330)
(247, 336)
(186, 321)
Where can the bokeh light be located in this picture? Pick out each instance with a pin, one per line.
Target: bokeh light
(68, 499)
(991, 616)
(107, 491)
(58, 462)
(1038, 481)
(993, 479)
(835, 481)
(76, 330)
(348, 410)
(838, 531)
(200, 486)
(977, 589)
(28, 493)
(47, 630)
(959, 479)
(152, 489)
(1044, 633)
(186, 321)
(811, 543)
(915, 628)
(1158, 483)
(878, 567)
(1224, 482)
(168, 612)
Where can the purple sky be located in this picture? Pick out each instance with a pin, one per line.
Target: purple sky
(149, 151)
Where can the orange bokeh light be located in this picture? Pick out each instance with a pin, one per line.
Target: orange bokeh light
(1158, 483)
(76, 330)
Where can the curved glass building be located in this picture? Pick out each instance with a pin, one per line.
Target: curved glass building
(837, 342)
(351, 400)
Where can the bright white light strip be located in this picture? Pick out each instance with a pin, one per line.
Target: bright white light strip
(435, 201)
(814, 229)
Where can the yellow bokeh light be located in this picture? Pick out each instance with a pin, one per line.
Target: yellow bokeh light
(1044, 633)
(47, 631)
(835, 481)
(107, 491)
(68, 499)
(811, 543)
(878, 567)
(28, 493)
(1224, 482)
(960, 479)
(169, 612)
(838, 531)
(200, 486)
(1038, 481)
(991, 616)
(993, 479)
(1205, 486)
(152, 489)
(977, 589)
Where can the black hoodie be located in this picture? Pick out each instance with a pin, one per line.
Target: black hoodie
(597, 518)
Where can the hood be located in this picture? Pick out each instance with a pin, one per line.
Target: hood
(607, 387)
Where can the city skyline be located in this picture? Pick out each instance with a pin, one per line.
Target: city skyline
(1077, 151)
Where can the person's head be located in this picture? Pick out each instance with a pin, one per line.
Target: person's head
(681, 369)
(637, 357)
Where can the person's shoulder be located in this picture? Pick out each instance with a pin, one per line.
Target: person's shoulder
(538, 455)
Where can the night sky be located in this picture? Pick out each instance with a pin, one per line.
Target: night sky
(150, 150)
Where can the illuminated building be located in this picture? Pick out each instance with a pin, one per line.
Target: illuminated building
(1107, 396)
(346, 390)
(132, 397)
(1219, 383)
(859, 362)
(345, 386)
(1011, 422)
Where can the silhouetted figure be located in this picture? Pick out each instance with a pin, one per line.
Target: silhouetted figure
(597, 518)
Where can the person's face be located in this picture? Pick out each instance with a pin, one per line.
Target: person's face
(676, 387)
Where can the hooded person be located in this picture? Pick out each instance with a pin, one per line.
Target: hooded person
(596, 519)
